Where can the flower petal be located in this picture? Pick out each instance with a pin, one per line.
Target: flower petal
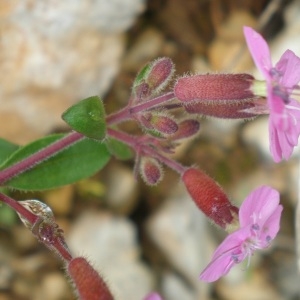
(284, 131)
(223, 258)
(153, 296)
(275, 147)
(289, 66)
(258, 206)
(271, 226)
(259, 50)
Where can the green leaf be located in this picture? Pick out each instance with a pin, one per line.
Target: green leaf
(87, 117)
(79, 161)
(6, 149)
(141, 76)
(119, 149)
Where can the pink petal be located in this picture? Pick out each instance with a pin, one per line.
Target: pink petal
(259, 50)
(289, 66)
(153, 296)
(293, 114)
(284, 132)
(272, 225)
(276, 105)
(275, 147)
(258, 206)
(222, 260)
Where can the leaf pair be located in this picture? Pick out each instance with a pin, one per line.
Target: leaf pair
(80, 160)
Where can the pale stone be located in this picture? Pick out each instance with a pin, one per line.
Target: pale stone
(122, 189)
(54, 54)
(174, 289)
(228, 52)
(53, 286)
(146, 48)
(109, 242)
(179, 230)
(256, 287)
(60, 200)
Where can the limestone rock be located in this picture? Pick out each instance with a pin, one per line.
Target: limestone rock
(53, 54)
(109, 242)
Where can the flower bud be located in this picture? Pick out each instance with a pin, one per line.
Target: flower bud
(158, 121)
(186, 129)
(214, 87)
(210, 198)
(152, 79)
(160, 74)
(87, 281)
(151, 170)
(142, 92)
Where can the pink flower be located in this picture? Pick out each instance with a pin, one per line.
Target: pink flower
(284, 123)
(259, 218)
(153, 296)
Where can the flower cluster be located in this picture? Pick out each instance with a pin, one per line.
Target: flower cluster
(251, 227)
(256, 223)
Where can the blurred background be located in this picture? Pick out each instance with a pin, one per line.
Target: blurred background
(54, 53)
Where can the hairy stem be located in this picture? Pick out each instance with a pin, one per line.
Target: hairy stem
(40, 156)
(15, 205)
(127, 112)
(134, 143)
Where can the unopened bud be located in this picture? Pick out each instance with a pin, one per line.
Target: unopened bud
(160, 74)
(186, 129)
(151, 170)
(214, 87)
(210, 198)
(142, 91)
(153, 78)
(89, 284)
(158, 121)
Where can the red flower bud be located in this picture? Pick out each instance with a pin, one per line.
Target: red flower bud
(151, 170)
(89, 284)
(210, 197)
(214, 87)
(160, 74)
(158, 121)
(186, 129)
(152, 79)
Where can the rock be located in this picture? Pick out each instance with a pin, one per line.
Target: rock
(23, 238)
(179, 230)
(174, 289)
(54, 54)
(52, 287)
(122, 189)
(109, 242)
(256, 287)
(60, 200)
(227, 51)
(287, 38)
(6, 275)
(146, 48)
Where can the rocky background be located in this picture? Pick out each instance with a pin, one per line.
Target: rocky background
(54, 53)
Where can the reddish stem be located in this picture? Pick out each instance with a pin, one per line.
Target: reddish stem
(127, 112)
(134, 143)
(40, 156)
(25, 213)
